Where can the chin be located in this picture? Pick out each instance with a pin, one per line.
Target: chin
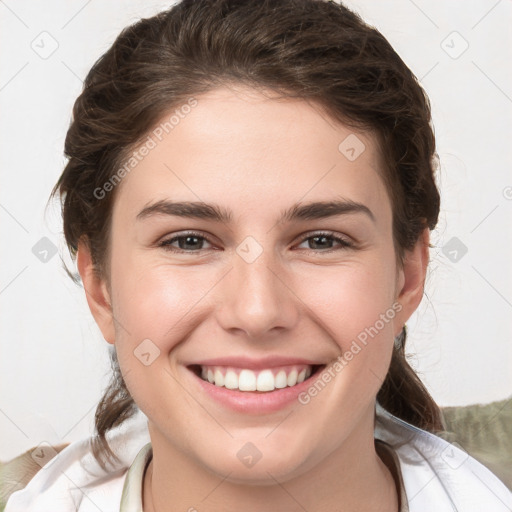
(262, 470)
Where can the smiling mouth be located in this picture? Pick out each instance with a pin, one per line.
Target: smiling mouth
(263, 381)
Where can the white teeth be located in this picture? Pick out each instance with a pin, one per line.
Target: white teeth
(292, 378)
(248, 380)
(231, 380)
(219, 378)
(265, 381)
(281, 380)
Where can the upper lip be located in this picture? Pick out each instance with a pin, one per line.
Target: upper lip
(255, 364)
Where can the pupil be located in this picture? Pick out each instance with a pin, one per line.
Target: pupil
(319, 237)
(187, 241)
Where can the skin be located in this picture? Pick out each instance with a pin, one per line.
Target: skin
(295, 299)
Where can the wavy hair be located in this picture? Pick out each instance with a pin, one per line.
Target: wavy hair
(315, 50)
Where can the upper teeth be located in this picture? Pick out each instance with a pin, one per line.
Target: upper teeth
(248, 380)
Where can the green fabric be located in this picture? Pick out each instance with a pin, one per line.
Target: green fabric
(485, 432)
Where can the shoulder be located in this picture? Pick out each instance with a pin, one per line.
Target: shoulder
(73, 477)
(16, 473)
(436, 472)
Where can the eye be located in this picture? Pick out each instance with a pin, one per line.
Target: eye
(187, 242)
(324, 240)
(193, 242)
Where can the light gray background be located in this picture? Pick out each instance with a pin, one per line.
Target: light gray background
(54, 362)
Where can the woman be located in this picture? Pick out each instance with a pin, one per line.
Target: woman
(249, 195)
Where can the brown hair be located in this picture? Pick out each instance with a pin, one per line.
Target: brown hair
(315, 50)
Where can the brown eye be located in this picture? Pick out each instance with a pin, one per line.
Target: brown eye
(322, 242)
(188, 242)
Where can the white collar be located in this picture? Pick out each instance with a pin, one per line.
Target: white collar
(436, 475)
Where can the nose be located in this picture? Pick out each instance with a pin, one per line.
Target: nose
(257, 298)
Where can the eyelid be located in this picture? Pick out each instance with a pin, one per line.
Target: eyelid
(325, 232)
(344, 241)
(166, 241)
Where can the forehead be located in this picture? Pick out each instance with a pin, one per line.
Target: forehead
(250, 151)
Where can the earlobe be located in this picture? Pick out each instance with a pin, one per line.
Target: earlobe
(96, 293)
(412, 276)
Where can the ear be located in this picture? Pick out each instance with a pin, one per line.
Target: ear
(411, 279)
(96, 293)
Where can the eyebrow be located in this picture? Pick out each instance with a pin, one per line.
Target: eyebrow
(299, 211)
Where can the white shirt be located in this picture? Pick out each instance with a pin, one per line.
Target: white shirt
(435, 474)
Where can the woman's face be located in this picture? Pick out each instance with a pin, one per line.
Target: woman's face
(258, 290)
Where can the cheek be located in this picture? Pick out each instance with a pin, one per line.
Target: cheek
(350, 298)
(157, 305)
(158, 301)
(356, 309)
(353, 307)
(155, 308)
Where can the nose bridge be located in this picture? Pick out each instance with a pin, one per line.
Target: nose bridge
(255, 270)
(256, 299)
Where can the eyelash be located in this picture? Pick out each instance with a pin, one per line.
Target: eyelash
(344, 244)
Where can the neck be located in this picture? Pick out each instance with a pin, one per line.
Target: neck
(351, 478)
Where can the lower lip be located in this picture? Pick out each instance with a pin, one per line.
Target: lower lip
(253, 402)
